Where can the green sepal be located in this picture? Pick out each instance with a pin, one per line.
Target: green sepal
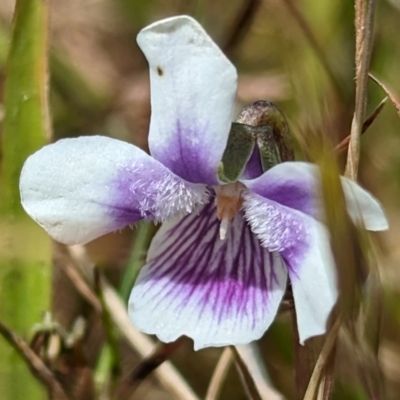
(268, 147)
(241, 142)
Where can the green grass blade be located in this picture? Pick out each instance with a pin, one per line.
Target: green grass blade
(25, 253)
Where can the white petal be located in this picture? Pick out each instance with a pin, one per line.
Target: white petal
(216, 292)
(304, 245)
(363, 208)
(297, 185)
(313, 277)
(193, 87)
(80, 189)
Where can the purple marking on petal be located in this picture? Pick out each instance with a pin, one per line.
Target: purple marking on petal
(279, 228)
(187, 156)
(297, 185)
(151, 191)
(293, 193)
(253, 167)
(192, 102)
(216, 292)
(304, 245)
(292, 184)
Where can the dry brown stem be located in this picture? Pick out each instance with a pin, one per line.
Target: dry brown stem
(219, 375)
(33, 361)
(364, 23)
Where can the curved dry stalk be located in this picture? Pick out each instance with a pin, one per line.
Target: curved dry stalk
(327, 348)
(251, 357)
(34, 362)
(145, 368)
(242, 24)
(245, 375)
(317, 48)
(343, 145)
(364, 23)
(219, 375)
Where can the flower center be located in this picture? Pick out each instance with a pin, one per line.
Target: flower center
(229, 201)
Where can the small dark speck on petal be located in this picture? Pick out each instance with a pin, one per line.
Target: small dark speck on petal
(160, 72)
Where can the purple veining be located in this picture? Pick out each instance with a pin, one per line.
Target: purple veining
(224, 280)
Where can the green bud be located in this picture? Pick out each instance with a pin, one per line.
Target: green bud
(273, 136)
(240, 145)
(261, 124)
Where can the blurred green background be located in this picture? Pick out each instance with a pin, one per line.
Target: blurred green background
(298, 54)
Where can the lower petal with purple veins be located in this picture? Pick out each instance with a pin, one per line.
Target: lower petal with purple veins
(216, 292)
(304, 245)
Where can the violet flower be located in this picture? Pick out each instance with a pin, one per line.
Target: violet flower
(218, 267)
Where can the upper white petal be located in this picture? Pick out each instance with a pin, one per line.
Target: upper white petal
(193, 88)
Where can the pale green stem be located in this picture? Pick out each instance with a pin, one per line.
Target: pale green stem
(144, 233)
(25, 250)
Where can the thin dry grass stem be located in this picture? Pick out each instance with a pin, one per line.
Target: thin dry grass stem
(317, 48)
(389, 93)
(313, 388)
(364, 24)
(370, 372)
(344, 144)
(242, 24)
(371, 318)
(33, 361)
(219, 375)
(245, 375)
(306, 357)
(366, 363)
(367, 335)
(81, 285)
(166, 373)
(250, 355)
(145, 368)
